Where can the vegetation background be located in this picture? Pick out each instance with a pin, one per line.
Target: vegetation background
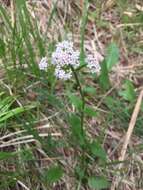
(41, 143)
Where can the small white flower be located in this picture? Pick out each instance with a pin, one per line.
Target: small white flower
(65, 46)
(93, 64)
(61, 74)
(43, 64)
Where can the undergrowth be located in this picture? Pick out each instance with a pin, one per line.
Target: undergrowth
(57, 134)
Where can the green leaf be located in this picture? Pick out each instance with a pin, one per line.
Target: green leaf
(110, 60)
(98, 183)
(53, 174)
(80, 172)
(90, 111)
(97, 150)
(6, 155)
(89, 90)
(129, 92)
(54, 101)
(76, 129)
(75, 100)
(11, 113)
(26, 155)
(104, 78)
(2, 48)
(112, 57)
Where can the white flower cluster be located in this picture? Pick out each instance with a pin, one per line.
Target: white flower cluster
(93, 64)
(43, 64)
(65, 56)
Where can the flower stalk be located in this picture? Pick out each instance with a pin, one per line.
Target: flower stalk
(82, 98)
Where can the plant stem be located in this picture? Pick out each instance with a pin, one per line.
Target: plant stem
(82, 97)
(82, 120)
(79, 185)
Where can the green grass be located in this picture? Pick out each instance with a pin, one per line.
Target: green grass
(52, 134)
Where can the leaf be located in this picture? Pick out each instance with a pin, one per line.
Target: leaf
(76, 129)
(90, 111)
(129, 92)
(6, 155)
(104, 78)
(26, 155)
(11, 113)
(110, 60)
(53, 100)
(2, 48)
(53, 174)
(110, 102)
(89, 90)
(112, 57)
(98, 183)
(80, 172)
(75, 100)
(97, 150)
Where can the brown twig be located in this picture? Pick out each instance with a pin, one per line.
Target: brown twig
(131, 126)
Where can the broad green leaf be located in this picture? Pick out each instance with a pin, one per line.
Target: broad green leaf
(112, 57)
(53, 174)
(98, 183)
(97, 150)
(129, 92)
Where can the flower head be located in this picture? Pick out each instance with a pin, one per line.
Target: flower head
(43, 64)
(93, 64)
(65, 46)
(61, 74)
(64, 57)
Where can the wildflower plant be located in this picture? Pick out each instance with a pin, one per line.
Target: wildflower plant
(66, 61)
(67, 65)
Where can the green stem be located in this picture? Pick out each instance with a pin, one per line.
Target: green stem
(82, 97)
(80, 67)
(79, 185)
(82, 57)
(82, 119)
